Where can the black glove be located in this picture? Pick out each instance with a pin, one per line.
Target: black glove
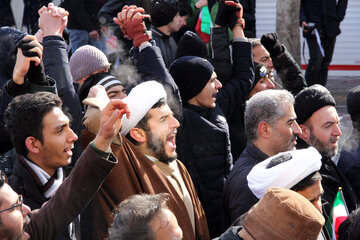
(236, 17)
(225, 10)
(271, 43)
(36, 74)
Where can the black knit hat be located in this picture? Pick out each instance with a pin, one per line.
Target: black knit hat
(311, 99)
(260, 72)
(163, 11)
(191, 74)
(191, 44)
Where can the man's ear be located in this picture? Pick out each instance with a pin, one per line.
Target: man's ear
(138, 135)
(33, 145)
(264, 129)
(305, 133)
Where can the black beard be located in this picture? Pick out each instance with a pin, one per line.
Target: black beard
(157, 148)
(321, 147)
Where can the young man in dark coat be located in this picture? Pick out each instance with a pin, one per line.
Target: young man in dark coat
(73, 195)
(203, 137)
(165, 19)
(319, 122)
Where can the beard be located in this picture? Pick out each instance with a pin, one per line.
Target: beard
(157, 148)
(324, 148)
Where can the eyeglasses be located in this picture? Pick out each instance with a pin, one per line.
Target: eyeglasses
(18, 205)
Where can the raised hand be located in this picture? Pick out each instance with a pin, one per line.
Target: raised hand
(236, 16)
(130, 20)
(29, 50)
(110, 123)
(271, 42)
(53, 20)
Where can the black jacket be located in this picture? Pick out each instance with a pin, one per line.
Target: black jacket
(289, 72)
(349, 161)
(220, 58)
(9, 38)
(332, 179)
(327, 14)
(82, 14)
(166, 44)
(208, 161)
(203, 142)
(237, 197)
(249, 17)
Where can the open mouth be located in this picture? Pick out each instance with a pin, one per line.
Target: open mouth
(68, 151)
(170, 141)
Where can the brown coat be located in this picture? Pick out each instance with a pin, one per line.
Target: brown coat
(72, 196)
(134, 174)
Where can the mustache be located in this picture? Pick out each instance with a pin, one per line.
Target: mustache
(334, 139)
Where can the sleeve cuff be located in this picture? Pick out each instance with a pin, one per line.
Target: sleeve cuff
(244, 39)
(105, 155)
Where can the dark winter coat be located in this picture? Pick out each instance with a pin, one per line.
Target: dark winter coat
(237, 197)
(82, 14)
(332, 179)
(349, 161)
(327, 14)
(289, 72)
(166, 44)
(203, 142)
(208, 161)
(220, 58)
(9, 38)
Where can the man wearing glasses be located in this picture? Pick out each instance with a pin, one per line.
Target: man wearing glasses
(17, 221)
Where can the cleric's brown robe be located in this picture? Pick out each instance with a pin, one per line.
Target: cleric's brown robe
(134, 174)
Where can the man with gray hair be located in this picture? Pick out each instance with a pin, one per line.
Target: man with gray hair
(270, 126)
(145, 216)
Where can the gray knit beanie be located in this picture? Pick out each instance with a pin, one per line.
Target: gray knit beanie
(86, 60)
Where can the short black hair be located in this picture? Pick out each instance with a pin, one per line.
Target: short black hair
(24, 117)
(307, 182)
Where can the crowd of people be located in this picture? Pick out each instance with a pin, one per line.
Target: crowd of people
(187, 141)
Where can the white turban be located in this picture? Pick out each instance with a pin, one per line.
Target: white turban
(286, 174)
(140, 100)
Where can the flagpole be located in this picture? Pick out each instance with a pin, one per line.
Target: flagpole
(343, 199)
